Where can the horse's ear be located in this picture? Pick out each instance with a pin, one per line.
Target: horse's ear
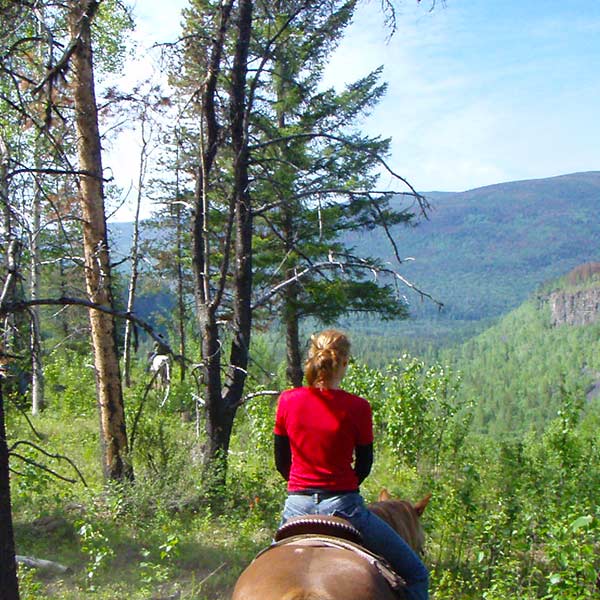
(384, 495)
(422, 504)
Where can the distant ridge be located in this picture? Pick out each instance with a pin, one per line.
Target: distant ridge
(483, 251)
(519, 182)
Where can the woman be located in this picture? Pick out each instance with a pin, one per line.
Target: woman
(324, 450)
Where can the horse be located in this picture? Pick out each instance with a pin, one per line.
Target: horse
(319, 572)
(161, 366)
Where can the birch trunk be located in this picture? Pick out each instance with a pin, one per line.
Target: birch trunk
(37, 373)
(97, 266)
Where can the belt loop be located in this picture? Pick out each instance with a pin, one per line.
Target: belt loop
(316, 497)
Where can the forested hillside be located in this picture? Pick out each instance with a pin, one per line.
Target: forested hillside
(519, 371)
(481, 253)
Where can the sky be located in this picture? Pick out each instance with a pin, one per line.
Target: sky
(479, 91)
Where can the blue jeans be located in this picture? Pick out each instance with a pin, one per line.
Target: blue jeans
(378, 536)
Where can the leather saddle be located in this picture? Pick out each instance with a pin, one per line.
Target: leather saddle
(319, 525)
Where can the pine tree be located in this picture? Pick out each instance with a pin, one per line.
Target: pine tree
(317, 177)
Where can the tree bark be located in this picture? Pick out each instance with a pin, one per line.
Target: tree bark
(37, 373)
(97, 266)
(181, 311)
(9, 586)
(223, 397)
(294, 370)
(135, 254)
(12, 249)
(4, 167)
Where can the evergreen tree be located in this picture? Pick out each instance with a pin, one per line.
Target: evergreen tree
(239, 51)
(317, 178)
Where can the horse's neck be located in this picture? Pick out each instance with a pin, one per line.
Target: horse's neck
(403, 518)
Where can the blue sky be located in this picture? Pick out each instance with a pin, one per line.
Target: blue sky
(480, 91)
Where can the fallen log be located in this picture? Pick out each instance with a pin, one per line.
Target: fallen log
(44, 565)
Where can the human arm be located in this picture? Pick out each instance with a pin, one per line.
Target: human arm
(283, 455)
(363, 461)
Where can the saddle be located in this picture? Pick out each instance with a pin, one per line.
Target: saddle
(333, 532)
(319, 525)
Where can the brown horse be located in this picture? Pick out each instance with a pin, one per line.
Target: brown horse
(291, 572)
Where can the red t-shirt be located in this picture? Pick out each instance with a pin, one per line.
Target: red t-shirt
(324, 427)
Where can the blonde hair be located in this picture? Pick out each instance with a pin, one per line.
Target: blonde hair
(327, 351)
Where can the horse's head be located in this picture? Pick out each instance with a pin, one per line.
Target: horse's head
(404, 517)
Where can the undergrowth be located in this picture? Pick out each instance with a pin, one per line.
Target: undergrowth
(508, 518)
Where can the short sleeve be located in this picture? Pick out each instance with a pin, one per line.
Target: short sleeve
(365, 424)
(280, 428)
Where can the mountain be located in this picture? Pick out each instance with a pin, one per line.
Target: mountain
(483, 251)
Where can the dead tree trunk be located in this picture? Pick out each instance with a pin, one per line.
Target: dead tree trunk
(37, 373)
(224, 396)
(181, 310)
(133, 278)
(9, 588)
(97, 266)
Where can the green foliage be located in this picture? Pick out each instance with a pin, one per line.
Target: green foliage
(32, 482)
(420, 410)
(260, 414)
(509, 518)
(111, 26)
(29, 587)
(519, 370)
(572, 550)
(69, 379)
(512, 516)
(157, 570)
(415, 409)
(98, 549)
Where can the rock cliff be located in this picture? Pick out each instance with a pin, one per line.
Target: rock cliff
(580, 307)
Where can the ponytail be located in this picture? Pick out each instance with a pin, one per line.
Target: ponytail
(327, 351)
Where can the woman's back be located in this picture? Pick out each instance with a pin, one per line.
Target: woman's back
(324, 427)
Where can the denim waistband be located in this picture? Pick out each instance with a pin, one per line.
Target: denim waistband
(321, 494)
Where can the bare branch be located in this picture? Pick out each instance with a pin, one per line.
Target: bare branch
(38, 435)
(30, 461)
(61, 65)
(21, 305)
(138, 413)
(349, 262)
(55, 172)
(248, 397)
(386, 229)
(419, 197)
